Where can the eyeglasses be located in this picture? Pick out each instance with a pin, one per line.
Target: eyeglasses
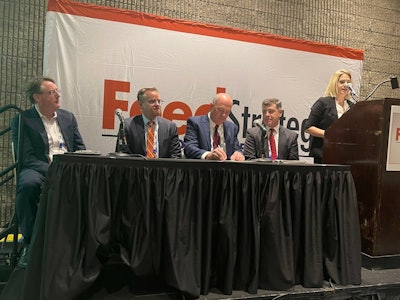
(53, 92)
(153, 101)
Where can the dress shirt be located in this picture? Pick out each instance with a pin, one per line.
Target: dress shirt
(54, 135)
(341, 109)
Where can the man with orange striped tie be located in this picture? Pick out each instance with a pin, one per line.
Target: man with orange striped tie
(149, 134)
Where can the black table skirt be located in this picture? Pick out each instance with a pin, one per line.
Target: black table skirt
(194, 224)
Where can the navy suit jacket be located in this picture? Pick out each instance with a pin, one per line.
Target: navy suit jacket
(287, 145)
(168, 140)
(35, 151)
(198, 139)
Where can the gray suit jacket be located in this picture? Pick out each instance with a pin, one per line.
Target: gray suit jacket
(287, 146)
(168, 141)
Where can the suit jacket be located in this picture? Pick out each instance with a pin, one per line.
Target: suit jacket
(168, 141)
(197, 139)
(323, 113)
(35, 151)
(287, 145)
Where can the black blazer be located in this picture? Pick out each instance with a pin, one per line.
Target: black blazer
(323, 114)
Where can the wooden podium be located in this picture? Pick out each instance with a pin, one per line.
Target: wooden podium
(360, 139)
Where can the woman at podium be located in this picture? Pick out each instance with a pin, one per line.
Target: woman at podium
(327, 109)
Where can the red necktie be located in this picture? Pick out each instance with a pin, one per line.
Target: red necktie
(150, 140)
(216, 138)
(272, 144)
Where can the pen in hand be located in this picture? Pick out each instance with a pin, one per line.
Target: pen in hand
(219, 153)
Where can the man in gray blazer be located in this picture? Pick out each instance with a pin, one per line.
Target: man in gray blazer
(166, 142)
(47, 130)
(257, 143)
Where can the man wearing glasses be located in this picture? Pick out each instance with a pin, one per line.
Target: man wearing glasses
(149, 134)
(47, 130)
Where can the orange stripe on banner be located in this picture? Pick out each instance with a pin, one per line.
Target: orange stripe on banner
(138, 18)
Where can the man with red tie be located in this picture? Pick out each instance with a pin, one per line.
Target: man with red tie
(271, 140)
(211, 136)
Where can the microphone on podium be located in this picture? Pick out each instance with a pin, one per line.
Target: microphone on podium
(352, 91)
(393, 81)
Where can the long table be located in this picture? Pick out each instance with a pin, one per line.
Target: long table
(194, 224)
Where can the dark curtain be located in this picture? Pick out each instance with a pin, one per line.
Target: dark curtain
(194, 225)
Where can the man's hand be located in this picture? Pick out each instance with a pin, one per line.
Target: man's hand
(217, 154)
(238, 156)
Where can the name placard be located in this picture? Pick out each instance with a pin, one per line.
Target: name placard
(393, 154)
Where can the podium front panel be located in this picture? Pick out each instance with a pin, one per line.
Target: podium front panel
(360, 139)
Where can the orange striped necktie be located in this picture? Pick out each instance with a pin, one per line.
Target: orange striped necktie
(150, 140)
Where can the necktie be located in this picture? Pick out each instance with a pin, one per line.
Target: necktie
(216, 138)
(150, 140)
(272, 144)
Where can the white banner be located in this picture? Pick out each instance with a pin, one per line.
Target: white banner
(100, 57)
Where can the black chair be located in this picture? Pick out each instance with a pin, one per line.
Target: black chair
(7, 174)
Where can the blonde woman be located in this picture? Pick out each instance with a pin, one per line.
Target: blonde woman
(327, 109)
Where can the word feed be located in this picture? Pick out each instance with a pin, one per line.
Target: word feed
(179, 111)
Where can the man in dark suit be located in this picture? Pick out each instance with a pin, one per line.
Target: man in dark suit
(164, 133)
(257, 143)
(211, 136)
(47, 130)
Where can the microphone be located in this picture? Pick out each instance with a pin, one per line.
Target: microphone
(259, 124)
(352, 91)
(393, 81)
(118, 112)
(121, 132)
